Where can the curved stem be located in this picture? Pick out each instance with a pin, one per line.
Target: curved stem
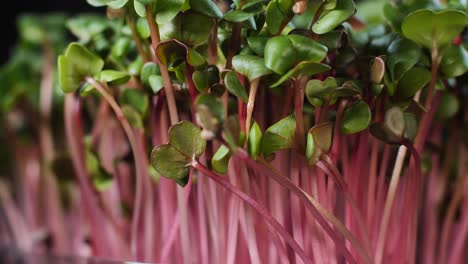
(372, 183)
(173, 231)
(192, 89)
(250, 106)
(357, 213)
(336, 133)
(414, 197)
(314, 207)
(54, 217)
(452, 209)
(430, 103)
(419, 140)
(136, 39)
(155, 39)
(389, 203)
(108, 241)
(256, 206)
(136, 154)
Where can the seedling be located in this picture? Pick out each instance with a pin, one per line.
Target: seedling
(246, 131)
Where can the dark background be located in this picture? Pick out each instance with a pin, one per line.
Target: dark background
(11, 9)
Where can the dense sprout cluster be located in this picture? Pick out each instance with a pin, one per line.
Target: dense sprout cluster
(340, 126)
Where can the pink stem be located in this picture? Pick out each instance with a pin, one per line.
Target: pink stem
(202, 224)
(256, 206)
(175, 226)
(312, 205)
(106, 240)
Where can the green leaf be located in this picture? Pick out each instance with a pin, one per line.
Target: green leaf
(133, 117)
(148, 69)
(98, 3)
(143, 28)
(235, 87)
(200, 80)
(371, 12)
(206, 7)
(183, 28)
(69, 80)
(120, 47)
(304, 68)
(218, 89)
(208, 78)
(194, 58)
(329, 20)
(253, 6)
(31, 29)
(255, 141)
(212, 73)
(329, 4)
(139, 8)
(332, 39)
(207, 120)
(411, 126)
(169, 162)
(323, 135)
(276, 15)
(280, 55)
(356, 118)
(87, 89)
(183, 181)
(448, 106)
(237, 16)
(402, 55)
(319, 140)
(156, 83)
(114, 4)
(186, 138)
(279, 136)
(135, 98)
(377, 88)
(147, 1)
(285, 5)
(213, 103)
(257, 44)
(379, 45)
(283, 52)
(426, 26)
(101, 42)
(250, 66)
(318, 91)
(135, 67)
(86, 26)
(232, 133)
(412, 81)
(171, 51)
(454, 61)
(393, 15)
(114, 77)
(166, 10)
(76, 64)
(101, 179)
(312, 153)
(220, 160)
